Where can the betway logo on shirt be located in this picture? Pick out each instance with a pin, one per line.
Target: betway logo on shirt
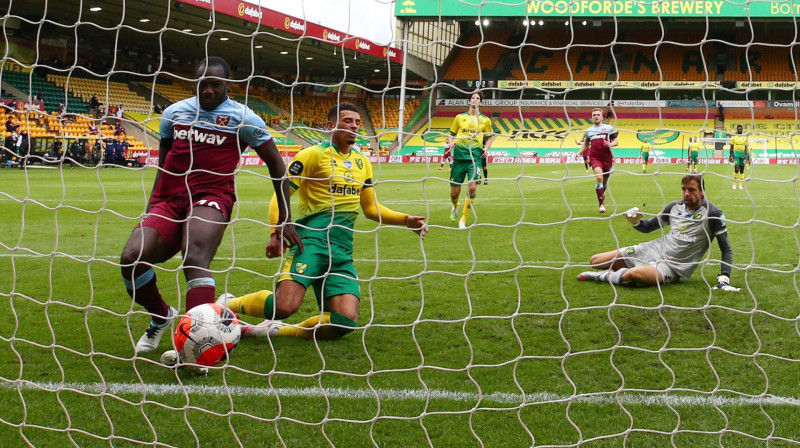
(198, 136)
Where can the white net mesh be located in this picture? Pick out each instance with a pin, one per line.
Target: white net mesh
(476, 337)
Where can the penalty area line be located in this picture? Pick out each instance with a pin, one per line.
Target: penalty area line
(641, 399)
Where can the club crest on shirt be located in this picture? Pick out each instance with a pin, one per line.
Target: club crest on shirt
(223, 120)
(359, 164)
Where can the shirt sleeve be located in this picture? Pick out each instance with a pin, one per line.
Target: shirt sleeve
(301, 168)
(656, 222)
(487, 127)
(367, 173)
(454, 126)
(716, 221)
(254, 130)
(166, 123)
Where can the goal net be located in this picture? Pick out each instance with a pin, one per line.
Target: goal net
(474, 336)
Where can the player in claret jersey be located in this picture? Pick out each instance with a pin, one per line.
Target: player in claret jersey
(448, 156)
(202, 139)
(597, 142)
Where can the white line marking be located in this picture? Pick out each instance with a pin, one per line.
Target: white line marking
(574, 263)
(648, 399)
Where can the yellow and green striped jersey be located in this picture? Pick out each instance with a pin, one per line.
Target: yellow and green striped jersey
(645, 147)
(470, 131)
(694, 147)
(738, 143)
(329, 186)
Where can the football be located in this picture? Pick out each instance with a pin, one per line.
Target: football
(207, 334)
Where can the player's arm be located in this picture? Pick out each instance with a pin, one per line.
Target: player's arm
(718, 227)
(163, 148)
(254, 133)
(277, 240)
(488, 137)
(376, 211)
(613, 139)
(655, 223)
(584, 145)
(269, 153)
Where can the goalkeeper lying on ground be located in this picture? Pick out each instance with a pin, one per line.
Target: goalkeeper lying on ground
(333, 181)
(694, 223)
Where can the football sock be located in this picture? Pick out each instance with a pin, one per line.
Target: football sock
(467, 207)
(256, 304)
(144, 291)
(199, 291)
(455, 202)
(601, 193)
(615, 277)
(342, 325)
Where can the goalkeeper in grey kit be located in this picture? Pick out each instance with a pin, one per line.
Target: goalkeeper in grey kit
(694, 222)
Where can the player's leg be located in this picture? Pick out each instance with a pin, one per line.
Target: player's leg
(599, 185)
(455, 192)
(339, 318)
(641, 275)
(608, 262)
(469, 203)
(300, 270)
(202, 235)
(338, 298)
(741, 175)
(738, 174)
(485, 162)
(458, 174)
(145, 247)
(265, 304)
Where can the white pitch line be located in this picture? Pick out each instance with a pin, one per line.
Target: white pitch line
(384, 260)
(651, 399)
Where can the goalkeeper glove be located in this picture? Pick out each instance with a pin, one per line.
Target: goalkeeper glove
(633, 216)
(724, 283)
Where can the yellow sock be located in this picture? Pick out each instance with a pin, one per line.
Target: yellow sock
(250, 304)
(467, 208)
(306, 328)
(455, 202)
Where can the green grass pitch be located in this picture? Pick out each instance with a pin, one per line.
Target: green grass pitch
(477, 337)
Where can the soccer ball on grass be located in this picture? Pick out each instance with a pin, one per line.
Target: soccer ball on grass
(207, 335)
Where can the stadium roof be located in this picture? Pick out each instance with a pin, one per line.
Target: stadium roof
(147, 25)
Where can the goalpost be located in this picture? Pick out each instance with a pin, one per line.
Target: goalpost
(758, 146)
(473, 337)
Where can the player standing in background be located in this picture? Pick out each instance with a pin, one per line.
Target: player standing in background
(333, 180)
(472, 133)
(202, 139)
(739, 149)
(644, 152)
(448, 155)
(597, 142)
(694, 222)
(694, 154)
